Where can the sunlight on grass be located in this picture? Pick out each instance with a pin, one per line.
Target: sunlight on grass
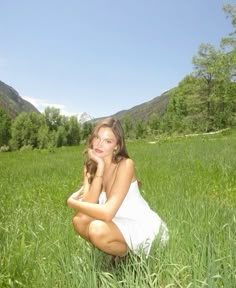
(190, 182)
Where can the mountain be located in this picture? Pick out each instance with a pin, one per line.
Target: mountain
(12, 102)
(84, 117)
(143, 111)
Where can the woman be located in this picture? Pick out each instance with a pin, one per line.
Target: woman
(110, 212)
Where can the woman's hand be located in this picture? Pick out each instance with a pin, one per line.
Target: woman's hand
(75, 197)
(78, 194)
(93, 156)
(72, 202)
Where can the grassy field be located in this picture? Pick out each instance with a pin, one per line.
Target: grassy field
(190, 182)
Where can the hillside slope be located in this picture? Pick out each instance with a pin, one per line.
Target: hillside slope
(12, 102)
(143, 111)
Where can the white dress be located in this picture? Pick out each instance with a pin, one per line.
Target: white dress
(138, 224)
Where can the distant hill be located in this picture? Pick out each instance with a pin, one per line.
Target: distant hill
(143, 111)
(12, 102)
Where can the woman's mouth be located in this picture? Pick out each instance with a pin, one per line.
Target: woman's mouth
(97, 150)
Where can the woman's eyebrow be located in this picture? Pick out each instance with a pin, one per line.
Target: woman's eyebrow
(110, 139)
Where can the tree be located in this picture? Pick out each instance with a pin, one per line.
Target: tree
(73, 131)
(53, 118)
(87, 128)
(139, 130)
(43, 137)
(206, 66)
(214, 69)
(128, 126)
(60, 136)
(154, 123)
(5, 127)
(230, 41)
(25, 130)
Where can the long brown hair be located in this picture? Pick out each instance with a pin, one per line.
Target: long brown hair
(118, 155)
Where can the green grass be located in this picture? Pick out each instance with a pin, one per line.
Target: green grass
(190, 182)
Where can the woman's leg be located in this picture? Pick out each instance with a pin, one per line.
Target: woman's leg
(104, 235)
(81, 224)
(107, 237)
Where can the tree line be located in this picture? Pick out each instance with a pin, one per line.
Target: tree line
(47, 130)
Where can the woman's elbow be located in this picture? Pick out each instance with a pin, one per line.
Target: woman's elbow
(68, 201)
(108, 216)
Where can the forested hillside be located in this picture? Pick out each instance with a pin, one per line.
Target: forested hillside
(12, 102)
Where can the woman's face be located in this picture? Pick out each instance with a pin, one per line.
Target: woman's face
(104, 142)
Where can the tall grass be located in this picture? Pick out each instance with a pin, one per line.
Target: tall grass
(190, 182)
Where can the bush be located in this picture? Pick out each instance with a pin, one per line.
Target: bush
(4, 148)
(26, 148)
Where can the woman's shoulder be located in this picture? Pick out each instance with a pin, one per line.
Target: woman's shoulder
(126, 164)
(126, 161)
(126, 167)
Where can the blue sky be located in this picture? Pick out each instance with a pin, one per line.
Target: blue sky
(103, 56)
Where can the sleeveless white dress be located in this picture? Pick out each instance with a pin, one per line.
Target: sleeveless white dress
(138, 224)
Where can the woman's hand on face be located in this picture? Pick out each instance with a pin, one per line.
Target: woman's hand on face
(93, 156)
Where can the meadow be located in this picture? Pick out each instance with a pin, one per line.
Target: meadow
(190, 182)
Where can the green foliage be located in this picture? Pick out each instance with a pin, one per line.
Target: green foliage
(4, 148)
(25, 130)
(230, 41)
(87, 128)
(127, 125)
(27, 147)
(139, 130)
(73, 131)
(12, 103)
(53, 118)
(44, 130)
(154, 124)
(5, 128)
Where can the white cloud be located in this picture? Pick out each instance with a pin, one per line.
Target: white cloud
(41, 104)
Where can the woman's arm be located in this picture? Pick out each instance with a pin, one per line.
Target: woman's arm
(78, 194)
(119, 189)
(88, 192)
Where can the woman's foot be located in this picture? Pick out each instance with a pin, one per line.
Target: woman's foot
(115, 260)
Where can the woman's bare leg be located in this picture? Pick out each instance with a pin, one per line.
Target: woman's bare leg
(107, 237)
(104, 235)
(81, 225)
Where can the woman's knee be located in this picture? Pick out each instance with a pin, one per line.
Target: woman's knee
(96, 231)
(80, 222)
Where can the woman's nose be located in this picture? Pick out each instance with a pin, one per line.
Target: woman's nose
(99, 142)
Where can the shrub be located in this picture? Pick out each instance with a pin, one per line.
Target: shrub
(26, 148)
(4, 148)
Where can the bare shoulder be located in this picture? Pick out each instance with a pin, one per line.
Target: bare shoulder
(126, 162)
(126, 166)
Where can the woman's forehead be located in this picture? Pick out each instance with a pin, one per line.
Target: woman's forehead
(106, 132)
